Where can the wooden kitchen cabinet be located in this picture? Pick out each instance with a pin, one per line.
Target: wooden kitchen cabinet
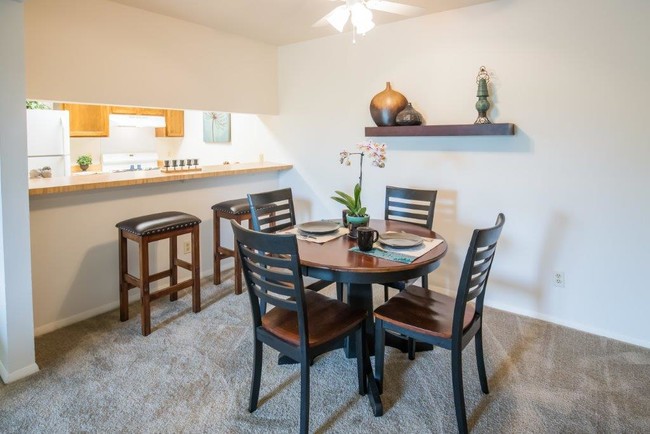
(174, 124)
(121, 110)
(151, 112)
(87, 120)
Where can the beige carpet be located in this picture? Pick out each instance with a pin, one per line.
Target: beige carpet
(192, 375)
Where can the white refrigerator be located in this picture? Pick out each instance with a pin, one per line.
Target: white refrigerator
(48, 140)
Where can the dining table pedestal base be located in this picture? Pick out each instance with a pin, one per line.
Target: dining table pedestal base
(360, 297)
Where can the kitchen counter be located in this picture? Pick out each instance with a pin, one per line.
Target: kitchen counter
(67, 184)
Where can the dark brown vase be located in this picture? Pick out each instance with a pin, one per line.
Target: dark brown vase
(385, 105)
(409, 116)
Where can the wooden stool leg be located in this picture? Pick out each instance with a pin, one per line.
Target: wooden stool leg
(144, 289)
(216, 236)
(196, 271)
(173, 255)
(124, 287)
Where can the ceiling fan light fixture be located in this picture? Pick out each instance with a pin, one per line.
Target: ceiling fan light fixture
(364, 26)
(339, 17)
(361, 18)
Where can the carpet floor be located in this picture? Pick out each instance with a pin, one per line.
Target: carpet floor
(192, 374)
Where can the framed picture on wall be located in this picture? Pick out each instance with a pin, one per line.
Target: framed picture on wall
(216, 127)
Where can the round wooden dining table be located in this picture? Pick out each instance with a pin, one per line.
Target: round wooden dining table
(333, 261)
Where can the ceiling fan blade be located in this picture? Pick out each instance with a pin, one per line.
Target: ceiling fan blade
(322, 22)
(394, 8)
(337, 18)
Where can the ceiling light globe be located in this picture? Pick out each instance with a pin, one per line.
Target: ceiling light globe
(361, 18)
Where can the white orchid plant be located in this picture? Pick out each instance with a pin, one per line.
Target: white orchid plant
(377, 153)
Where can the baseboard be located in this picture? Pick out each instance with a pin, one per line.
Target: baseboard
(59, 324)
(64, 322)
(570, 324)
(8, 377)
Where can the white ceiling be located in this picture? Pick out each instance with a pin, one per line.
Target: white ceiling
(276, 22)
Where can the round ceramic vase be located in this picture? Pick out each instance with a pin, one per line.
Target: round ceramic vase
(385, 106)
(409, 116)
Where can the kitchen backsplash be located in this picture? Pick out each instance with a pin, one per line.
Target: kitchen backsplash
(245, 144)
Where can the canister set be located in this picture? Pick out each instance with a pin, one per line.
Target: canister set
(187, 164)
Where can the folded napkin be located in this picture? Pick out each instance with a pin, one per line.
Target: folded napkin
(317, 238)
(405, 256)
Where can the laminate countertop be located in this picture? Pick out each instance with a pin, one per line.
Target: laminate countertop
(67, 184)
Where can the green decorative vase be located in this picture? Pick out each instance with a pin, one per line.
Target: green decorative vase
(355, 222)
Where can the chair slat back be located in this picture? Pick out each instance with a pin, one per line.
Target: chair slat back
(272, 211)
(410, 205)
(476, 271)
(271, 267)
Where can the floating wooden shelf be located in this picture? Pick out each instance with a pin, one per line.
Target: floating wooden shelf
(442, 130)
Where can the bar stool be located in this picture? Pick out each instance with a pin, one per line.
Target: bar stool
(147, 229)
(239, 211)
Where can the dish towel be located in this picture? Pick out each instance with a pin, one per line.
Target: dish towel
(405, 256)
(316, 238)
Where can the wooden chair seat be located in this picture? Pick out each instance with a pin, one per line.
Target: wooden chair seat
(423, 311)
(327, 318)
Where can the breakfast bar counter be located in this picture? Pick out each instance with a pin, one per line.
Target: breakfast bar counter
(66, 184)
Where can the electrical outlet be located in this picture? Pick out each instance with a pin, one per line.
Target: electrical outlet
(558, 279)
(187, 247)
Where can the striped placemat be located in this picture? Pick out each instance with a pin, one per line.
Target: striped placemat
(384, 254)
(405, 256)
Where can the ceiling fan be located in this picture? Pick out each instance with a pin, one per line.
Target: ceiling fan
(359, 12)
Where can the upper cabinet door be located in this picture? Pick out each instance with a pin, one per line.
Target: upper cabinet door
(87, 120)
(174, 124)
(122, 110)
(151, 111)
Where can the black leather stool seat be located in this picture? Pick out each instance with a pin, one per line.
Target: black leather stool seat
(236, 206)
(156, 223)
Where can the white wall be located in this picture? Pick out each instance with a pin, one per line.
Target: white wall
(16, 327)
(75, 266)
(249, 138)
(572, 182)
(98, 51)
(85, 282)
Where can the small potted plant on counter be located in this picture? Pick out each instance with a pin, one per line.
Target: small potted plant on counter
(84, 161)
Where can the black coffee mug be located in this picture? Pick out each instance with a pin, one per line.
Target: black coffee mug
(366, 237)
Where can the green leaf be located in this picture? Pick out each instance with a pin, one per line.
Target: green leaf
(346, 197)
(341, 201)
(357, 196)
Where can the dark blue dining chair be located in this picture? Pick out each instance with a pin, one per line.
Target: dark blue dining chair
(434, 318)
(411, 206)
(303, 324)
(271, 212)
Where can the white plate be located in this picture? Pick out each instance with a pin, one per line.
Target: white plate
(319, 227)
(400, 240)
